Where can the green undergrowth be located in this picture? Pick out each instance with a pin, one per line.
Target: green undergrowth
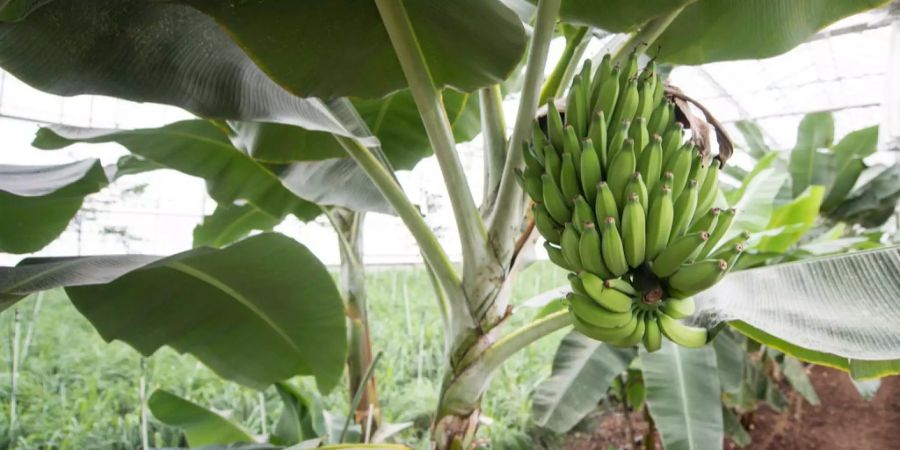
(78, 392)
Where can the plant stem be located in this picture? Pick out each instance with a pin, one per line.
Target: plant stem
(506, 210)
(554, 82)
(472, 233)
(357, 396)
(349, 226)
(493, 127)
(511, 343)
(650, 437)
(464, 391)
(142, 392)
(452, 312)
(647, 35)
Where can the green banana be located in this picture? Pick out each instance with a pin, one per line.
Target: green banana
(612, 249)
(569, 244)
(589, 249)
(634, 338)
(604, 334)
(617, 141)
(602, 78)
(591, 171)
(634, 231)
(545, 224)
(569, 179)
(645, 99)
(729, 245)
(672, 139)
(554, 200)
(650, 162)
(665, 180)
(638, 133)
(684, 210)
(686, 336)
(620, 170)
(659, 119)
(730, 253)
(627, 103)
(532, 165)
(659, 223)
(576, 106)
(609, 93)
(652, 335)
(721, 229)
(696, 277)
(636, 186)
(606, 205)
(538, 140)
(660, 89)
(598, 135)
(678, 308)
(680, 166)
(595, 315)
(709, 190)
(843, 183)
(577, 285)
(554, 126)
(706, 222)
(571, 143)
(532, 184)
(630, 69)
(582, 214)
(609, 298)
(556, 256)
(552, 163)
(621, 286)
(677, 252)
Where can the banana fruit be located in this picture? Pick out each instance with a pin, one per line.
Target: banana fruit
(626, 204)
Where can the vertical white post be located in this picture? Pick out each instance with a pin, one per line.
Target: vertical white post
(889, 131)
(15, 375)
(262, 414)
(142, 388)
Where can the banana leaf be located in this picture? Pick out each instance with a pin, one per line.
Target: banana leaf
(201, 426)
(583, 370)
(38, 202)
(839, 311)
(259, 311)
(683, 395)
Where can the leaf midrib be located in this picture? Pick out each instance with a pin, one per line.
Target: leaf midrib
(684, 395)
(218, 284)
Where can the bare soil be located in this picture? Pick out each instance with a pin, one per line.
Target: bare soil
(843, 421)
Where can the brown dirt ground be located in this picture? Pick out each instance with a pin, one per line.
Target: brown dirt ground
(843, 421)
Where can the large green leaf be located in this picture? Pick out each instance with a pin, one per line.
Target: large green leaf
(795, 219)
(874, 203)
(730, 360)
(860, 143)
(301, 418)
(753, 137)
(148, 51)
(795, 372)
(336, 48)
(816, 131)
(394, 119)
(683, 396)
(200, 426)
(723, 30)
(230, 223)
(583, 370)
(828, 310)
(39, 201)
(262, 310)
(614, 15)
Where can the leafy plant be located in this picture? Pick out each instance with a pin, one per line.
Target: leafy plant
(247, 63)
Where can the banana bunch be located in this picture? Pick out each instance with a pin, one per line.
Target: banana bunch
(625, 203)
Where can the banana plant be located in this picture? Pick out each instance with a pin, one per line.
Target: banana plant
(260, 62)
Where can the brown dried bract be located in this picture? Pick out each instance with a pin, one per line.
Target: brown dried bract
(700, 127)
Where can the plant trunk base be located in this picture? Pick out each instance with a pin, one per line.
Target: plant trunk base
(455, 432)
